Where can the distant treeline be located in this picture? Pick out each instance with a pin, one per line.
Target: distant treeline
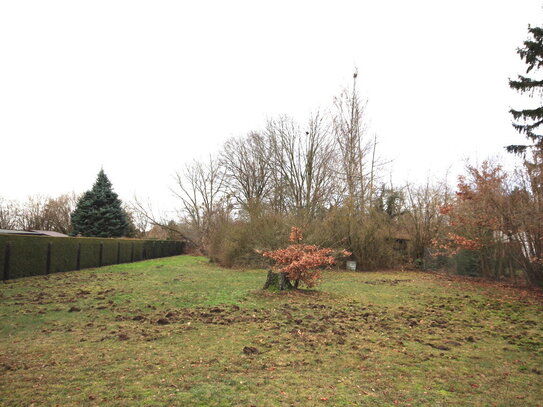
(326, 177)
(40, 212)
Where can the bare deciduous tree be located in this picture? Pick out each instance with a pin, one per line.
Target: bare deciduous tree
(524, 225)
(356, 149)
(33, 215)
(38, 213)
(358, 167)
(200, 189)
(248, 172)
(9, 214)
(58, 212)
(423, 219)
(153, 225)
(302, 163)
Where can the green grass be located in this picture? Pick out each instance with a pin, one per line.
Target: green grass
(181, 332)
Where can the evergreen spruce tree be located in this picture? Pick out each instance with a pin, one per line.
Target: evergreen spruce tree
(99, 212)
(528, 120)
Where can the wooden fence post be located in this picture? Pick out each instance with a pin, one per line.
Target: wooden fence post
(132, 253)
(118, 252)
(78, 261)
(48, 262)
(7, 260)
(100, 258)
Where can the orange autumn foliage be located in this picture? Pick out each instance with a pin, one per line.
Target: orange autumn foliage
(474, 217)
(301, 262)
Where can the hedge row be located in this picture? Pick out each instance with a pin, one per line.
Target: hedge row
(23, 256)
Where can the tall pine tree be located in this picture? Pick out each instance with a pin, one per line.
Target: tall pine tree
(99, 212)
(527, 121)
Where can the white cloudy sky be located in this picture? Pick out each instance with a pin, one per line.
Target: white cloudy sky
(142, 87)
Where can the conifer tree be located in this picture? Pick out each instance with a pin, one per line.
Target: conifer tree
(99, 212)
(528, 120)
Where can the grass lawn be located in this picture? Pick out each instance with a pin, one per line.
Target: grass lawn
(181, 332)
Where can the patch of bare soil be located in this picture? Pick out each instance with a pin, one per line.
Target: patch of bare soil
(315, 324)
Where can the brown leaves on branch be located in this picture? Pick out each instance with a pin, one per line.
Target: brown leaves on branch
(295, 235)
(477, 213)
(301, 262)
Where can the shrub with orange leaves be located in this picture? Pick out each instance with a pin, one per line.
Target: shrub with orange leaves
(300, 262)
(476, 216)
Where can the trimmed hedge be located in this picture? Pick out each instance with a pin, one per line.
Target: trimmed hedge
(39, 255)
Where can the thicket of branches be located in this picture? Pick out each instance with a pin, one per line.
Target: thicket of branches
(38, 213)
(324, 175)
(498, 217)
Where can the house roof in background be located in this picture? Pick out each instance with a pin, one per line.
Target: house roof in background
(16, 232)
(32, 233)
(49, 233)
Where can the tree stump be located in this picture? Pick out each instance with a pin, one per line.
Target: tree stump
(277, 282)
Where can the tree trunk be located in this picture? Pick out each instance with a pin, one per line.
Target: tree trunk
(277, 282)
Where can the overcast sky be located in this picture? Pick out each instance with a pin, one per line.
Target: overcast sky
(142, 87)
